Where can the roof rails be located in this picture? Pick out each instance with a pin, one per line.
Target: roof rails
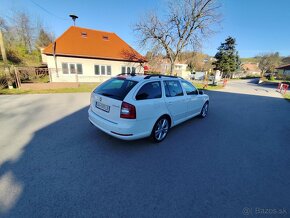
(127, 74)
(160, 75)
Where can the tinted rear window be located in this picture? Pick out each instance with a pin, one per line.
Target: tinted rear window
(116, 88)
(149, 91)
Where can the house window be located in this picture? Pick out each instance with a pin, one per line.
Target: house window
(103, 70)
(109, 70)
(72, 68)
(133, 69)
(64, 68)
(128, 70)
(97, 69)
(79, 69)
(123, 70)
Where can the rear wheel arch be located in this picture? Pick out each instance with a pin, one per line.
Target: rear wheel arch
(167, 116)
(153, 136)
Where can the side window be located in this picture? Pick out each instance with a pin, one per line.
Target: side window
(173, 88)
(64, 68)
(149, 91)
(189, 89)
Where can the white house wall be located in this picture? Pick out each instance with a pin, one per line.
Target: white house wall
(88, 68)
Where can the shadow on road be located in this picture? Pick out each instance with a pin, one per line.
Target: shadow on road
(237, 157)
(253, 81)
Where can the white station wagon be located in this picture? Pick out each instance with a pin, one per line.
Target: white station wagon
(136, 106)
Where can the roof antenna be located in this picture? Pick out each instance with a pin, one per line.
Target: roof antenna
(74, 17)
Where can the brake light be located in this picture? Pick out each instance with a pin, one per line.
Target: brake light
(128, 111)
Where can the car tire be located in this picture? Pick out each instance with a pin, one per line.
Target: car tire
(204, 110)
(160, 129)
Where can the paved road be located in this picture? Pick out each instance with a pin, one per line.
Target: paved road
(53, 163)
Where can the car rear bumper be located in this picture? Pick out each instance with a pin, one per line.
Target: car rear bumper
(114, 129)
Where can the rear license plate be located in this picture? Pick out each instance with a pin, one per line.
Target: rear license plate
(102, 107)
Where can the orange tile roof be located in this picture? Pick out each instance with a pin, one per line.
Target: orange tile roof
(82, 42)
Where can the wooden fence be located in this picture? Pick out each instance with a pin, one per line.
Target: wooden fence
(29, 74)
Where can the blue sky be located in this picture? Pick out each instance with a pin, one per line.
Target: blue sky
(259, 26)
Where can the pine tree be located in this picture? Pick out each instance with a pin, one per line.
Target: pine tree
(227, 58)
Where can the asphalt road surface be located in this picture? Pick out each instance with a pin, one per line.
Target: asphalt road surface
(234, 163)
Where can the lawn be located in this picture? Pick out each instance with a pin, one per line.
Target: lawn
(209, 87)
(81, 88)
(287, 96)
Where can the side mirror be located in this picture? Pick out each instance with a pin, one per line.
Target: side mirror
(200, 92)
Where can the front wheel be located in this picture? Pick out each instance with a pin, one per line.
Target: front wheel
(160, 129)
(204, 110)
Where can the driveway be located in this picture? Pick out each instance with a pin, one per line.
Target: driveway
(251, 87)
(53, 163)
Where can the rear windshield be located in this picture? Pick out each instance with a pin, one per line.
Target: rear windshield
(116, 88)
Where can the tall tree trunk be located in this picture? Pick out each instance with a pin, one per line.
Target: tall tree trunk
(171, 68)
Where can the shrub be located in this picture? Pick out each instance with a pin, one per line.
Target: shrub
(13, 56)
(271, 78)
(3, 81)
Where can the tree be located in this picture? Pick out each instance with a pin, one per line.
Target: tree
(286, 60)
(43, 39)
(22, 37)
(269, 62)
(197, 61)
(24, 29)
(186, 22)
(227, 58)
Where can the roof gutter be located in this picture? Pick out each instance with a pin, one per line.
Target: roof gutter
(91, 57)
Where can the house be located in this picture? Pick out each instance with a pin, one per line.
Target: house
(86, 55)
(180, 69)
(251, 69)
(284, 70)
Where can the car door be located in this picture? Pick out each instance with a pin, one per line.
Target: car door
(193, 100)
(175, 100)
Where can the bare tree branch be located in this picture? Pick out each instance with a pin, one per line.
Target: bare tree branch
(186, 22)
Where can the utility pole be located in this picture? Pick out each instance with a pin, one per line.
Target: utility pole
(3, 52)
(4, 57)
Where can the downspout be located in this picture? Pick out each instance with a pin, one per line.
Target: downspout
(54, 57)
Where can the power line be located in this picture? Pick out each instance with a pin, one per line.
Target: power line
(47, 11)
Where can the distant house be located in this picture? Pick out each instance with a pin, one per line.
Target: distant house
(251, 69)
(284, 70)
(86, 55)
(180, 69)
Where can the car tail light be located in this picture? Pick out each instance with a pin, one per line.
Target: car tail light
(128, 111)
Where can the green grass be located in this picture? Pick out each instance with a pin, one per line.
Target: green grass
(209, 87)
(81, 88)
(287, 96)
